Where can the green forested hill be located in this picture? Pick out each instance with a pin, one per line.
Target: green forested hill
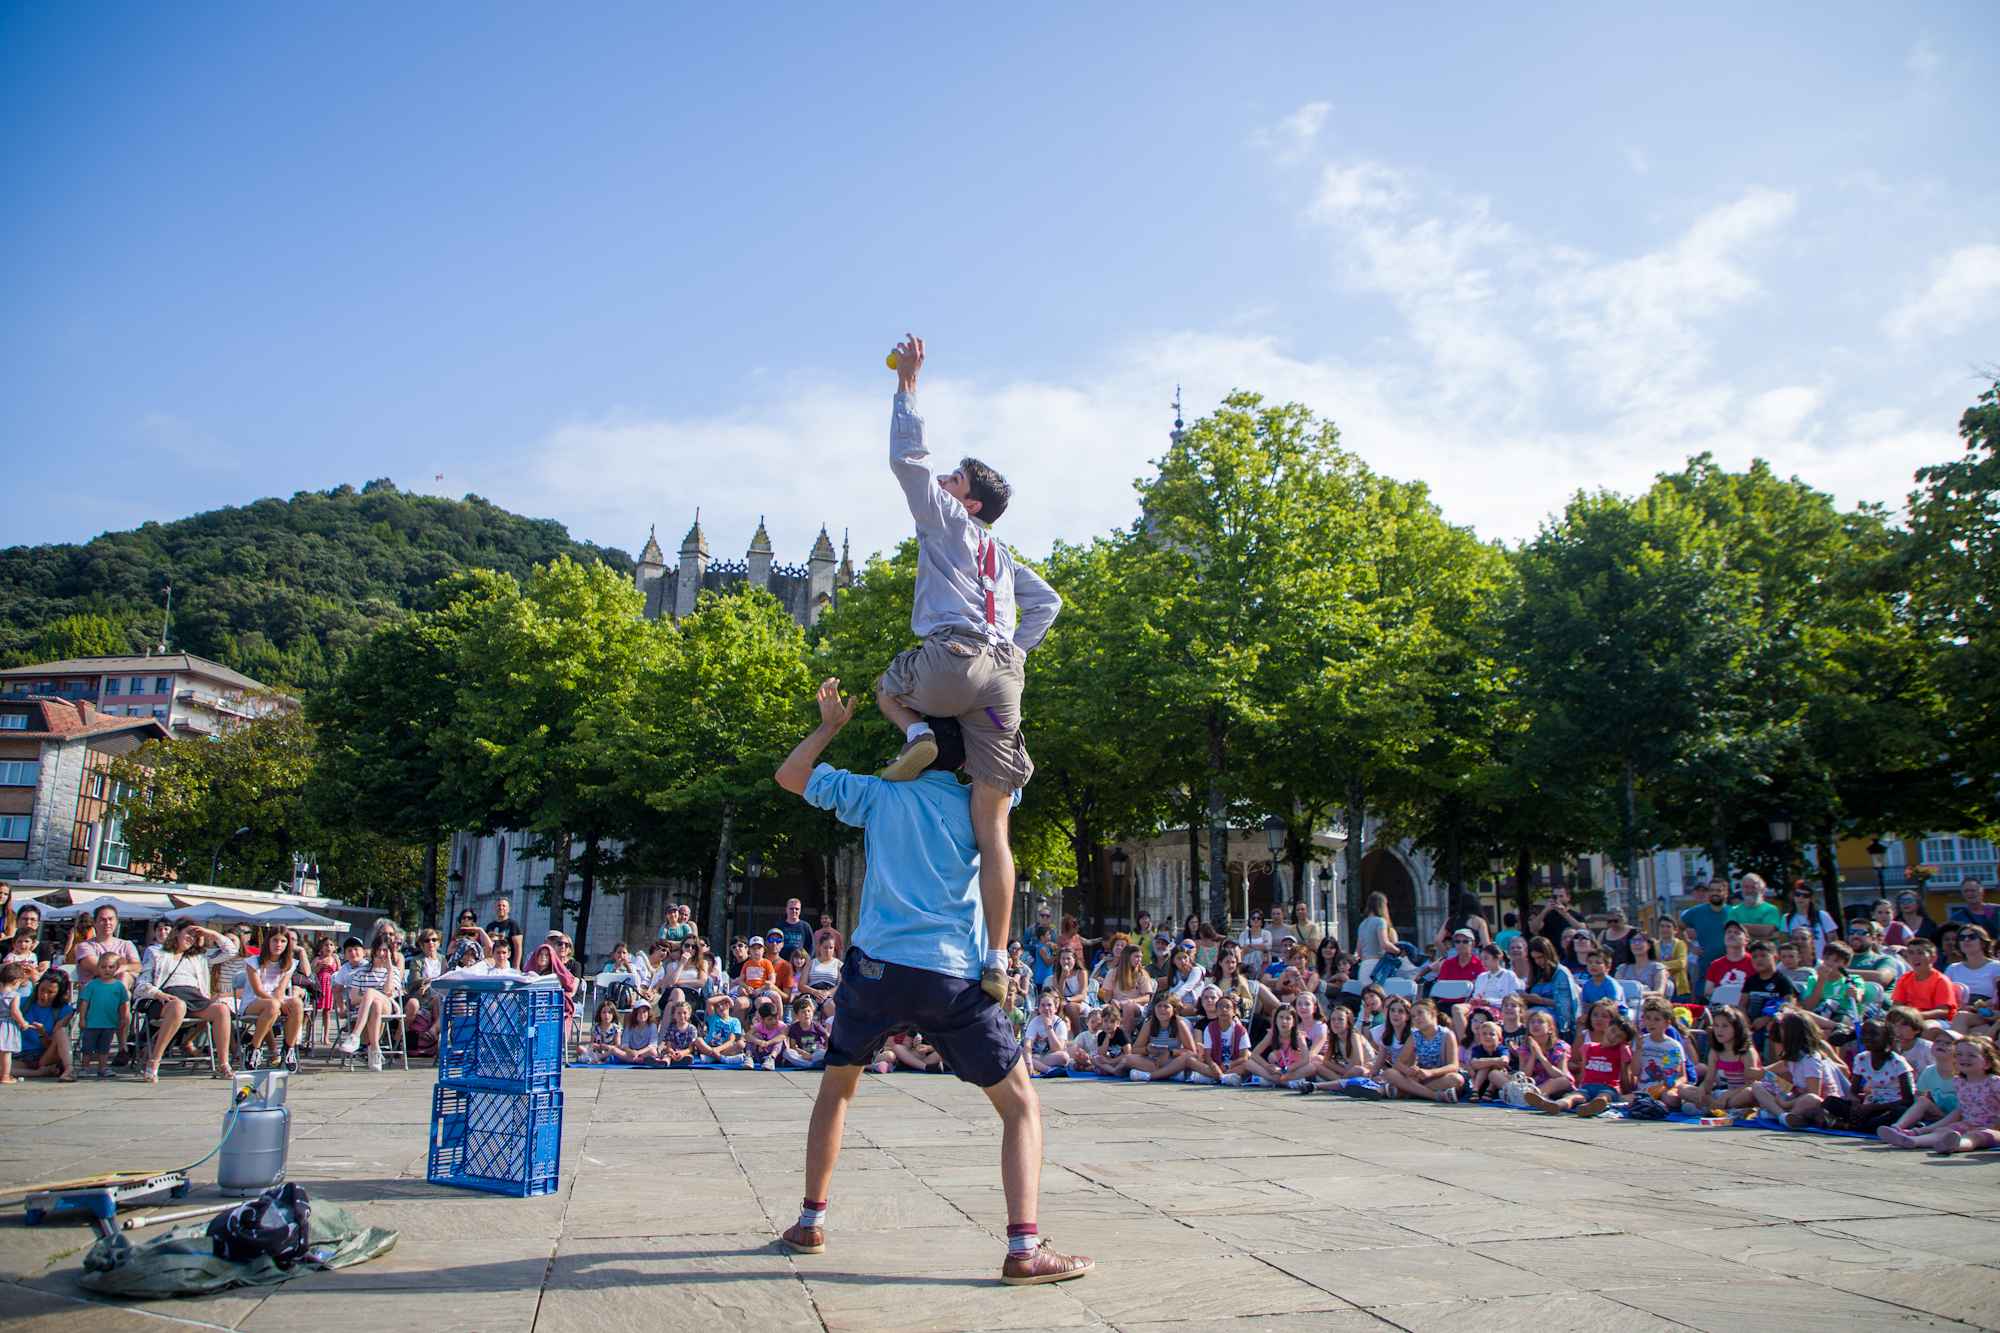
(281, 589)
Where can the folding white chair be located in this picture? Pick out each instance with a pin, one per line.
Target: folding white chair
(1730, 993)
(1635, 994)
(1404, 987)
(1451, 992)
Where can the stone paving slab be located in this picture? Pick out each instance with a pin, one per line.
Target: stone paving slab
(1206, 1209)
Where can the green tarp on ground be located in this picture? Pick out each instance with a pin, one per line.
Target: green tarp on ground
(183, 1262)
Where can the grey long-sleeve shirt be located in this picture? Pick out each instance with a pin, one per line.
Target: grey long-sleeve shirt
(949, 592)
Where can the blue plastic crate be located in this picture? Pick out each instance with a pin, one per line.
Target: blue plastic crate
(501, 1142)
(505, 1039)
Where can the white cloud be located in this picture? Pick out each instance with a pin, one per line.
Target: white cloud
(1963, 288)
(1513, 370)
(1293, 137)
(1635, 158)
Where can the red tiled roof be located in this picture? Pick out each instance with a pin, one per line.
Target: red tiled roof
(76, 719)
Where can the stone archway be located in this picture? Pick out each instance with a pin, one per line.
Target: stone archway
(1384, 872)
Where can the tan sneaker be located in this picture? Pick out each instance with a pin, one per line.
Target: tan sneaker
(1043, 1264)
(1597, 1105)
(917, 756)
(804, 1239)
(993, 981)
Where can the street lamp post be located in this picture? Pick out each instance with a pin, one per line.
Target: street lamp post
(1120, 866)
(1781, 837)
(1274, 838)
(215, 862)
(1878, 856)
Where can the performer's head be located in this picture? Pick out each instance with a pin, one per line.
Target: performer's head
(950, 744)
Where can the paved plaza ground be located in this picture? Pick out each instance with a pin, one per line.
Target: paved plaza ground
(1206, 1208)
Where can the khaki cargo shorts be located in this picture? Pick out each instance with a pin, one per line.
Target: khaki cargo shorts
(954, 674)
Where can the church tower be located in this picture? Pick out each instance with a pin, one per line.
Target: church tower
(844, 578)
(649, 576)
(694, 564)
(820, 568)
(759, 558)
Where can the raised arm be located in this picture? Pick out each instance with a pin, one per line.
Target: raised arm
(909, 457)
(834, 713)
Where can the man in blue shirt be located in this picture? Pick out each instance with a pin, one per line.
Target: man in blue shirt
(914, 963)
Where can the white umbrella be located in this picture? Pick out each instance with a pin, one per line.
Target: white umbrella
(209, 913)
(299, 919)
(128, 911)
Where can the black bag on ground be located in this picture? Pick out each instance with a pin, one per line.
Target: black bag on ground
(276, 1225)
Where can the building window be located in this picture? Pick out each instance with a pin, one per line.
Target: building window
(13, 828)
(13, 721)
(1947, 853)
(160, 712)
(97, 786)
(163, 684)
(112, 684)
(138, 684)
(20, 772)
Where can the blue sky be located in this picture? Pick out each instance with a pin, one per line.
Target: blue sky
(606, 265)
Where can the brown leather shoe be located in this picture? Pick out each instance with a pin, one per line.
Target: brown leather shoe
(917, 756)
(804, 1239)
(1042, 1264)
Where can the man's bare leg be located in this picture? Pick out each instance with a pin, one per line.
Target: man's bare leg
(918, 751)
(990, 809)
(1029, 1261)
(829, 1122)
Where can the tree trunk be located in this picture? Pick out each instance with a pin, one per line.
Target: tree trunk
(1218, 827)
(1355, 816)
(1718, 843)
(1524, 889)
(1629, 817)
(1194, 860)
(433, 901)
(589, 892)
(718, 886)
(557, 890)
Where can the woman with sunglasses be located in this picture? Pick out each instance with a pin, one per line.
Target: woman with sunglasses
(1979, 973)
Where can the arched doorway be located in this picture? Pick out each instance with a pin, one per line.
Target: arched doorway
(1383, 872)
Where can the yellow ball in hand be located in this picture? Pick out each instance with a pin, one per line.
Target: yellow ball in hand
(892, 360)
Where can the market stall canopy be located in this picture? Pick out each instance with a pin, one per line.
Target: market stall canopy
(208, 914)
(298, 918)
(128, 909)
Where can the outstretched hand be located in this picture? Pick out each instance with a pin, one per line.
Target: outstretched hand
(834, 710)
(909, 360)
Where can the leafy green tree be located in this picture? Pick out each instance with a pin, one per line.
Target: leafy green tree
(1953, 573)
(1632, 633)
(87, 634)
(188, 797)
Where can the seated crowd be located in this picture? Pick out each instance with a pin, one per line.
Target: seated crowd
(1886, 1026)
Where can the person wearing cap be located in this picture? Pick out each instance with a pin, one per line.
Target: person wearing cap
(758, 973)
(915, 961)
(722, 1034)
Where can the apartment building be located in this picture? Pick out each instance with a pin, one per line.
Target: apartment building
(56, 792)
(189, 695)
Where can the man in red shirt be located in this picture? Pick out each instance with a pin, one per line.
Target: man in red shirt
(1734, 967)
(1925, 989)
(1462, 964)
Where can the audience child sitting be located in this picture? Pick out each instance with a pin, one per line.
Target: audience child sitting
(1164, 1045)
(1390, 1038)
(1665, 1058)
(1603, 1065)
(1224, 1043)
(1280, 1059)
(765, 1043)
(1834, 1003)
(1907, 1027)
(805, 1039)
(1885, 1084)
(1345, 1057)
(1733, 968)
(1487, 1062)
(722, 1037)
(1545, 1062)
(1805, 1073)
(1796, 962)
(1598, 983)
(606, 1034)
(1428, 1064)
(1767, 990)
(1733, 1066)
(910, 1051)
(675, 1045)
(1975, 1123)
(1924, 989)
(1047, 1037)
(1490, 988)
(1083, 1047)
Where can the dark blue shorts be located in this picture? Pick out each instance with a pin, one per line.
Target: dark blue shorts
(876, 998)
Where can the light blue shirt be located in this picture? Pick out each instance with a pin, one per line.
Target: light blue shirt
(949, 594)
(920, 899)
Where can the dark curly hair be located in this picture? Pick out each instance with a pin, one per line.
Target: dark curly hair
(988, 487)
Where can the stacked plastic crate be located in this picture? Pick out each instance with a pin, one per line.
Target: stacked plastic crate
(496, 1115)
